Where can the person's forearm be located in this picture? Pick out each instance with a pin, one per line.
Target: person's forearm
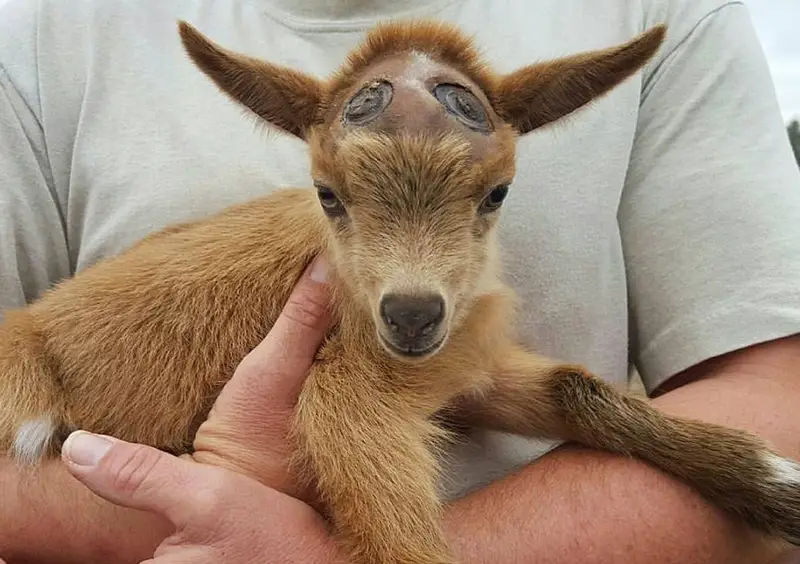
(51, 518)
(571, 506)
(593, 508)
(577, 505)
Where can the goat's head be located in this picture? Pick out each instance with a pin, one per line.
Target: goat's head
(412, 146)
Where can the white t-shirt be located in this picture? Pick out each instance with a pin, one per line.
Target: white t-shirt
(660, 226)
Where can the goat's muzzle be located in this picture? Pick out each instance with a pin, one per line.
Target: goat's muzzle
(412, 326)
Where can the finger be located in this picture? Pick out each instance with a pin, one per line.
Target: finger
(305, 317)
(132, 475)
(247, 428)
(271, 375)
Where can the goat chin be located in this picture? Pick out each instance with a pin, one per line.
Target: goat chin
(139, 345)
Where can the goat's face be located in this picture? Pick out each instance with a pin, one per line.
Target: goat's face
(412, 219)
(412, 150)
(411, 168)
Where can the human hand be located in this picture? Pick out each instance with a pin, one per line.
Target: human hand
(246, 430)
(219, 515)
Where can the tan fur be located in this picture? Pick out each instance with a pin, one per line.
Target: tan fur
(139, 345)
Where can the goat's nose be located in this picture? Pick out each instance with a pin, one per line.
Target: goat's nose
(412, 316)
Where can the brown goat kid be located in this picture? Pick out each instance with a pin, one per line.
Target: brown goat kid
(412, 146)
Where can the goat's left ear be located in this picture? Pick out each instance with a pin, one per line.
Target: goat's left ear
(542, 93)
(286, 98)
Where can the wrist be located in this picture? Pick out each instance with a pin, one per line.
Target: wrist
(51, 517)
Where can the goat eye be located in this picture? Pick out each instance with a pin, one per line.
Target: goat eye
(464, 105)
(494, 200)
(331, 204)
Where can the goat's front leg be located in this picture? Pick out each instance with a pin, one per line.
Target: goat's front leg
(734, 470)
(369, 455)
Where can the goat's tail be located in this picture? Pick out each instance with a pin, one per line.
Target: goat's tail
(732, 469)
(32, 405)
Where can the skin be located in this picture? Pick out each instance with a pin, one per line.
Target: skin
(528, 517)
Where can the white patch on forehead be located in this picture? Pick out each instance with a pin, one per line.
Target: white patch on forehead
(422, 64)
(421, 67)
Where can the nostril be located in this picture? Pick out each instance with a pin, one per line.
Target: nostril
(390, 322)
(412, 316)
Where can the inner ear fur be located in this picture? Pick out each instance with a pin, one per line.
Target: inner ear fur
(542, 93)
(285, 98)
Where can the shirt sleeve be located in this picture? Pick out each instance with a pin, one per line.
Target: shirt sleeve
(710, 214)
(33, 247)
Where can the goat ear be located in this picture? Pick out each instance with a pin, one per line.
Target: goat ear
(285, 98)
(539, 94)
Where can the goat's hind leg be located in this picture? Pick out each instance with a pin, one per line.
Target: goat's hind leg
(732, 469)
(32, 420)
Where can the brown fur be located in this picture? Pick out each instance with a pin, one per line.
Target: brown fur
(139, 345)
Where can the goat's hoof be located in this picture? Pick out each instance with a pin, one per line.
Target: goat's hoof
(782, 488)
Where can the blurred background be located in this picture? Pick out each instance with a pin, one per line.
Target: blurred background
(778, 25)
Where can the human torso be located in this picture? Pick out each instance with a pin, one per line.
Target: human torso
(139, 139)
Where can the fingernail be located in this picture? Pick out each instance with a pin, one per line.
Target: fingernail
(85, 449)
(319, 270)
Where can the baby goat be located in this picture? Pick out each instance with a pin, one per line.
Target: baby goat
(412, 146)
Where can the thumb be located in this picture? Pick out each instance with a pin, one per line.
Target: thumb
(132, 475)
(274, 371)
(248, 425)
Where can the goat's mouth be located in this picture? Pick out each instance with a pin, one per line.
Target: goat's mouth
(415, 350)
(411, 326)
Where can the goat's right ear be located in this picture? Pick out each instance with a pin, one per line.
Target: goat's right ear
(285, 98)
(542, 93)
